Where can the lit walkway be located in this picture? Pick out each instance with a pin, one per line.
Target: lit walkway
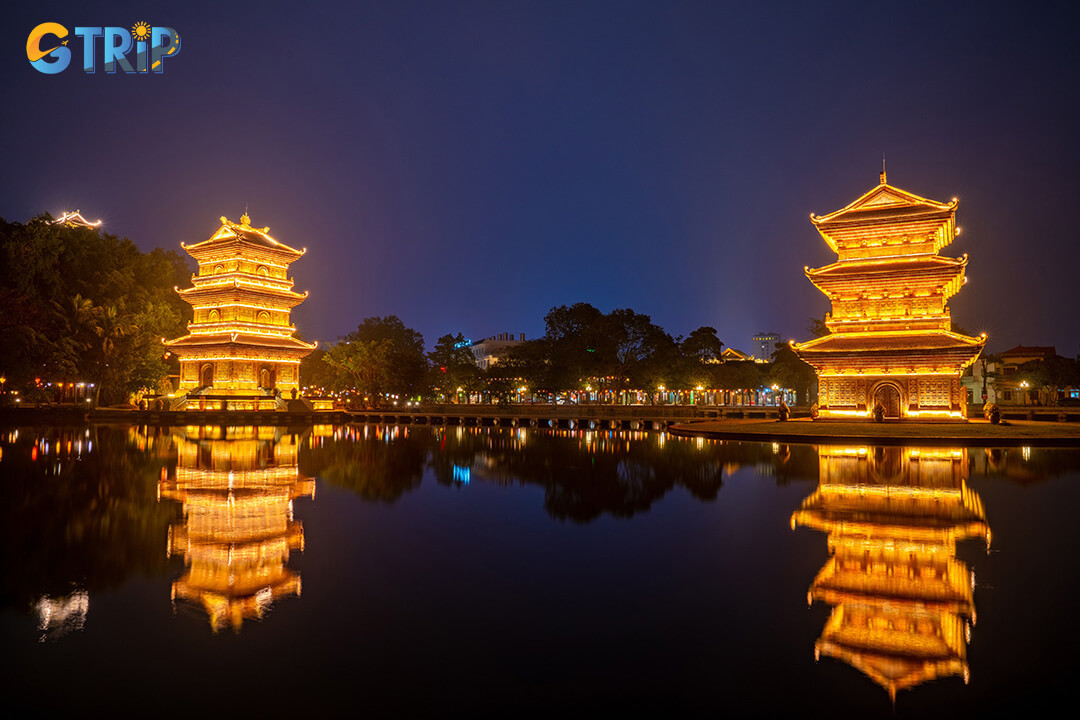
(973, 432)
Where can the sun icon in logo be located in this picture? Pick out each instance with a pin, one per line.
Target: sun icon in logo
(141, 31)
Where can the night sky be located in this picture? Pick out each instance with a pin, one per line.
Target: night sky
(469, 165)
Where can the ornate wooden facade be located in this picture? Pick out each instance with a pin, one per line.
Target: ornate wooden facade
(890, 340)
(241, 341)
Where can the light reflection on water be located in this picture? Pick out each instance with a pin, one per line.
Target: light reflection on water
(236, 486)
(902, 603)
(205, 516)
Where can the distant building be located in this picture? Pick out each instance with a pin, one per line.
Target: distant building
(980, 381)
(490, 350)
(765, 346)
(1010, 382)
(729, 354)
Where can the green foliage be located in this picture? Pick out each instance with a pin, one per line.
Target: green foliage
(703, 345)
(81, 304)
(1050, 375)
(407, 365)
(788, 371)
(366, 363)
(453, 367)
(380, 357)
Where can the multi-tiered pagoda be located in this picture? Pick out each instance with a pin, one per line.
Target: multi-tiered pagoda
(241, 341)
(237, 488)
(890, 340)
(902, 603)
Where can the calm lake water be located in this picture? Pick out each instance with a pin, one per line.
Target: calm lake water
(423, 571)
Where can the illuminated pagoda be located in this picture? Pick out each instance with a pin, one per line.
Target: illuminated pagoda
(237, 487)
(241, 341)
(890, 340)
(902, 602)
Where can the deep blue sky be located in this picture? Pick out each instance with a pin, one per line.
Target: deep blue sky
(468, 165)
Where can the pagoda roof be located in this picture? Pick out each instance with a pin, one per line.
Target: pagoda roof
(898, 266)
(1047, 351)
(733, 355)
(239, 339)
(894, 671)
(231, 232)
(888, 343)
(926, 272)
(884, 201)
(239, 289)
(896, 521)
(947, 585)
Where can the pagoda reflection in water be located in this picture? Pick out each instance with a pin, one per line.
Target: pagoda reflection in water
(902, 603)
(237, 486)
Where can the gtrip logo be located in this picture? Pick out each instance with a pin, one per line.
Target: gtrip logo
(152, 46)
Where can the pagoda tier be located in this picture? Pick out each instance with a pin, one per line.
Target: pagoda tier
(241, 340)
(238, 529)
(891, 341)
(901, 600)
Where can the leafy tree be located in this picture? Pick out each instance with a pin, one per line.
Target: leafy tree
(703, 345)
(366, 363)
(789, 371)
(579, 345)
(316, 372)
(83, 304)
(1050, 375)
(407, 365)
(453, 367)
(644, 353)
(525, 364)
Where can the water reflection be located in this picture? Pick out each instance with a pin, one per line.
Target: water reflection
(59, 616)
(236, 486)
(585, 474)
(902, 603)
(77, 516)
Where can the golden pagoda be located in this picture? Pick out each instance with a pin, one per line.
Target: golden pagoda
(237, 487)
(241, 341)
(890, 340)
(901, 600)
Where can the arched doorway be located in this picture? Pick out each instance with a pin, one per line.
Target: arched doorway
(267, 377)
(206, 375)
(888, 396)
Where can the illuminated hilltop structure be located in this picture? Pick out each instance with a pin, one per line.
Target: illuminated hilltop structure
(237, 487)
(890, 338)
(241, 341)
(901, 600)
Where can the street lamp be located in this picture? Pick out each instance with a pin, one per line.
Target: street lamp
(1024, 384)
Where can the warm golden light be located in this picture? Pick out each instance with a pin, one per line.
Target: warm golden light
(890, 342)
(241, 341)
(237, 487)
(902, 603)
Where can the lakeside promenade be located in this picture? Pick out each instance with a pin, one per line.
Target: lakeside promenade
(1019, 433)
(759, 424)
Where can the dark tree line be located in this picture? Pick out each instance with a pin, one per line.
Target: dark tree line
(81, 305)
(582, 350)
